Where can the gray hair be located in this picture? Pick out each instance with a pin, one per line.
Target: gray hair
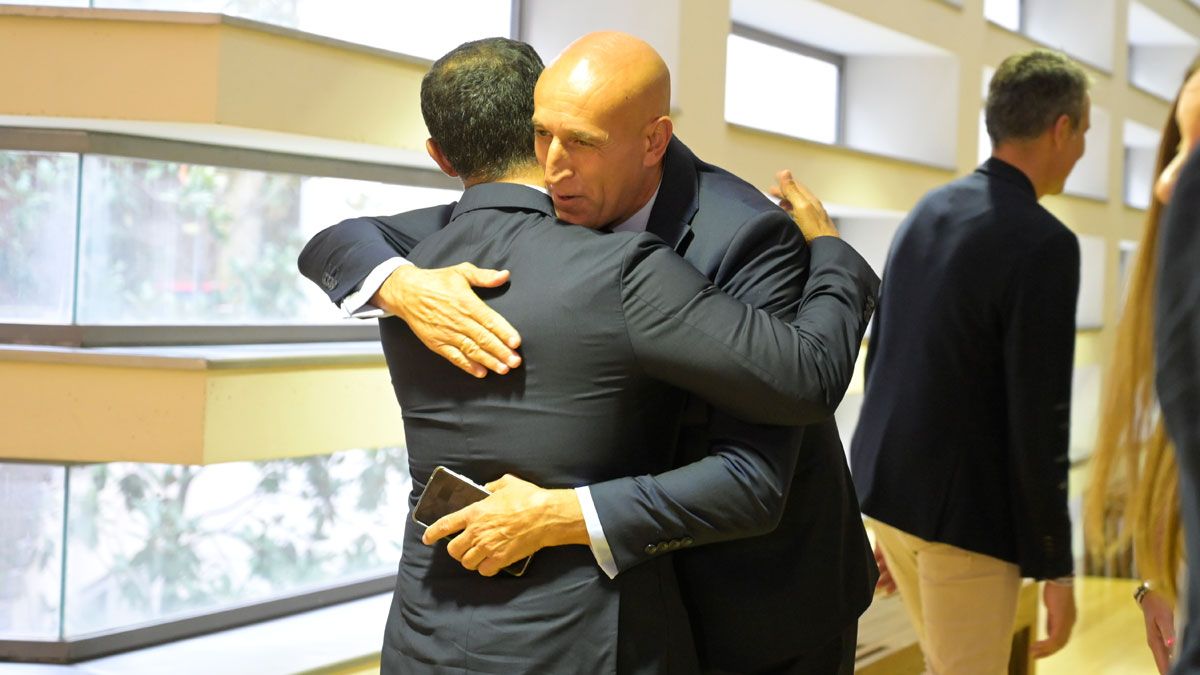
(1030, 91)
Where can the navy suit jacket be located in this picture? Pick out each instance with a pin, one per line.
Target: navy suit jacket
(963, 435)
(752, 603)
(755, 602)
(614, 327)
(1177, 355)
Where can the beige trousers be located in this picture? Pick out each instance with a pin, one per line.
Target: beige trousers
(962, 604)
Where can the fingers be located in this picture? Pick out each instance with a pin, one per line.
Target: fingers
(1162, 640)
(472, 558)
(481, 342)
(803, 206)
(445, 526)
(483, 277)
(1055, 640)
(495, 325)
(455, 356)
(1044, 648)
(1162, 655)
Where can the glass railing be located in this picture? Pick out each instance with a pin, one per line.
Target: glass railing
(104, 549)
(97, 239)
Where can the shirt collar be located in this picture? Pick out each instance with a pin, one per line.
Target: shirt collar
(1001, 169)
(638, 221)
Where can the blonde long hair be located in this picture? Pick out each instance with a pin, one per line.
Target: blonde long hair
(1133, 496)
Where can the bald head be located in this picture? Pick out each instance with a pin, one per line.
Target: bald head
(602, 126)
(616, 67)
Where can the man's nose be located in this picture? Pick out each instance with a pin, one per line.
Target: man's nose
(558, 162)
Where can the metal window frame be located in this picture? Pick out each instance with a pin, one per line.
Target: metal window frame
(83, 142)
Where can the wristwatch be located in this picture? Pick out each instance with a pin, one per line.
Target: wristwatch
(1141, 591)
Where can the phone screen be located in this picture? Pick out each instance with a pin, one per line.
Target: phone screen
(447, 492)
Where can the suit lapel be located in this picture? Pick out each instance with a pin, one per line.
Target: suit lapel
(677, 201)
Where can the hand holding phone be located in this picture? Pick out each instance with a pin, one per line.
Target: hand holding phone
(447, 492)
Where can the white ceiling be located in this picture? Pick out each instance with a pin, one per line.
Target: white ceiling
(819, 25)
(1148, 28)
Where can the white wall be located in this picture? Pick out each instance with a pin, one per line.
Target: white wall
(1090, 177)
(551, 25)
(1082, 28)
(1139, 176)
(1093, 252)
(1159, 69)
(903, 106)
(870, 236)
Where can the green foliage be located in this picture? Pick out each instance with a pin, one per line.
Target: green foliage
(163, 556)
(37, 228)
(180, 243)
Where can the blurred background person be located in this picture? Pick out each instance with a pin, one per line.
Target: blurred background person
(1133, 497)
(960, 455)
(1177, 344)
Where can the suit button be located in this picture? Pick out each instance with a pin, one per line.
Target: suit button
(651, 549)
(688, 541)
(673, 544)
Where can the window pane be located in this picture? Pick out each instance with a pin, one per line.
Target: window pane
(171, 243)
(37, 236)
(396, 25)
(151, 542)
(31, 526)
(754, 97)
(1006, 13)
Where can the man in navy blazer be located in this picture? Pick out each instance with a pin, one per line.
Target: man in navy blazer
(789, 599)
(960, 454)
(1177, 347)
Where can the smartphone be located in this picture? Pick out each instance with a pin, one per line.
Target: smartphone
(447, 492)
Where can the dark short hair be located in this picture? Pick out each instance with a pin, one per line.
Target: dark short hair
(477, 102)
(1030, 91)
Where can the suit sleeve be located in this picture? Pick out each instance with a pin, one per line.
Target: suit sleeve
(340, 257)
(757, 367)
(740, 487)
(1039, 348)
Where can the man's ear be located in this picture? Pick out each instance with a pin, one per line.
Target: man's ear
(1063, 129)
(658, 136)
(438, 156)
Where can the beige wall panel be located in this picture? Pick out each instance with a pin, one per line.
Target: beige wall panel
(268, 414)
(1179, 12)
(64, 67)
(85, 413)
(283, 83)
(838, 175)
(937, 23)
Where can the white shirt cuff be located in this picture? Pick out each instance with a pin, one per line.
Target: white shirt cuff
(596, 540)
(358, 304)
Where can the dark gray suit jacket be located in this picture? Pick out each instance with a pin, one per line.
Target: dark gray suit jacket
(963, 435)
(1177, 357)
(613, 327)
(809, 574)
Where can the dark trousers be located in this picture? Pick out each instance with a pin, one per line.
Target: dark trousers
(835, 657)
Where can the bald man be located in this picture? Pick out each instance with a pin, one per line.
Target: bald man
(787, 601)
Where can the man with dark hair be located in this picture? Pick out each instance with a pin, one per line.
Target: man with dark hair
(960, 455)
(784, 601)
(612, 324)
(490, 137)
